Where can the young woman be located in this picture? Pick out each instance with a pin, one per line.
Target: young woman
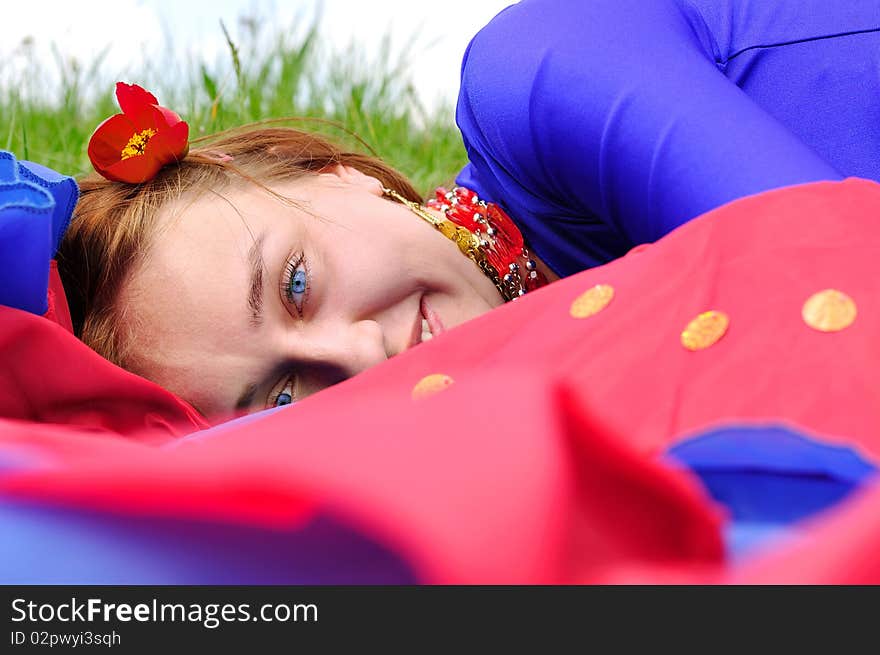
(270, 264)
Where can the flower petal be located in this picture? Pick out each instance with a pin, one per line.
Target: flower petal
(108, 140)
(133, 99)
(115, 131)
(133, 170)
(170, 144)
(169, 117)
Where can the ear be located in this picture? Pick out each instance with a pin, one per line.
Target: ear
(351, 175)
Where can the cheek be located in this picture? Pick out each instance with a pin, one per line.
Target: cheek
(388, 255)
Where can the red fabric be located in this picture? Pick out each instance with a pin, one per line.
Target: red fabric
(58, 311)
(519, 503)
(837, 547)
(539, 463)
(49, 376)
(757, 260)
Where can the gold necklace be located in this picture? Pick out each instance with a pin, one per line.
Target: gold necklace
(485, 234)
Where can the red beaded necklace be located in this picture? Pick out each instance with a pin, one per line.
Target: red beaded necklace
(486, 234)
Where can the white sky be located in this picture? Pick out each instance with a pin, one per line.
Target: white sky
(133, 28)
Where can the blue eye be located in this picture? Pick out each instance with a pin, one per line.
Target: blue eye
(286, 397)
(296, 281)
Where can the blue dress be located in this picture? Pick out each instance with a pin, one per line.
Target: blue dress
(603, 124)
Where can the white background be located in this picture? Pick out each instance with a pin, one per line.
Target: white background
(134, 29)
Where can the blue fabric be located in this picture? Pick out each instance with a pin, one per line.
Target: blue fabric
(770, 477)
(43, 545)
(604, 124)
(35, 207)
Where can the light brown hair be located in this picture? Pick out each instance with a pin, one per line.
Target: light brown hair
(113, 223)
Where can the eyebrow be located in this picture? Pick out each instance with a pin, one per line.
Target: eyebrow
(255, 306)
(255, 290)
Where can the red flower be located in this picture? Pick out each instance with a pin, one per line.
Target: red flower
(134, 145)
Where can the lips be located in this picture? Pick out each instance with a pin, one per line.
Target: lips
(427, 325)
(432, 319)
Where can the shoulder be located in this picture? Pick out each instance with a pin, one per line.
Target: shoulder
(541, 63)
(543, 80)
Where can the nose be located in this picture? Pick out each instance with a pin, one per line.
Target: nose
(337, 352)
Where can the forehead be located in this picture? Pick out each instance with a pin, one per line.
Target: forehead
(199, 249)
(222, 220)
(212, 233)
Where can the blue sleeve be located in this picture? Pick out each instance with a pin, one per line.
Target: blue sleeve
(608, 123)
(812, 65)
(35, 207)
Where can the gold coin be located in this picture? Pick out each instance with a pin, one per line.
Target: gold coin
(829, 310)
(592, 301)
(705, 330)
(431, 384)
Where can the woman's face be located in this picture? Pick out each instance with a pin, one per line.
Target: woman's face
(246, 302)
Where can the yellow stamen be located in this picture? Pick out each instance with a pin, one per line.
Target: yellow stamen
(138, 143)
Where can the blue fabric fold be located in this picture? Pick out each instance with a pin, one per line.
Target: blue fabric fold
(770, 478)
(36, 204)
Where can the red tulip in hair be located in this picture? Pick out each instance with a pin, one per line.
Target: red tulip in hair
(132, 146)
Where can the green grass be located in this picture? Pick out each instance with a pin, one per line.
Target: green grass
(266, 73)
